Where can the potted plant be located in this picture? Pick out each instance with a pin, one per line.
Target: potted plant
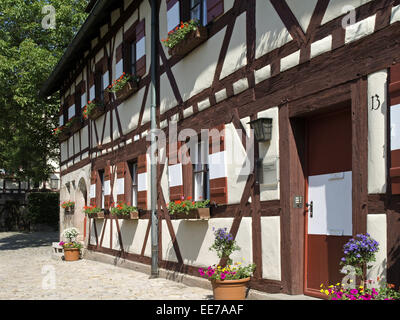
(185, 37)
(229, 281)
(93, 212)
(124, 86)
(72, 248)
(124, 211)
(358, 253)
(188, 209)
(68, 207)
(93, 110)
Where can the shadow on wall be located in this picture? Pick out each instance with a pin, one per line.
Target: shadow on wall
(190, 236)
(128, 230)
(28, 240)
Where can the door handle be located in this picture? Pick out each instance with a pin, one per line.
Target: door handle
(310, 208)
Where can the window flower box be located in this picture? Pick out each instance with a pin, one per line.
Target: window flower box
(61, 134)
(124, 86)
(124, 211)
(93, 110)
(194, 214)
(94, 212)
(73, 125)
(185, 38)
(188, 209)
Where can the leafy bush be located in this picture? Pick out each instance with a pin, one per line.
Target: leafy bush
(43, 208)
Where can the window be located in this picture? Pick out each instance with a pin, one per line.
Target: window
(99, 86)
(198, 10)
(134, 186)
(101, 176)
(132, 58)
(201, 184)
(78, 102)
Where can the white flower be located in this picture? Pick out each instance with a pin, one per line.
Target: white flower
(71, 233)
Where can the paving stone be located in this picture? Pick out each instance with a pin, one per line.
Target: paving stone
(28, 271)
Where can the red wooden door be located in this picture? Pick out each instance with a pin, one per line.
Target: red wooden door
(329, 189)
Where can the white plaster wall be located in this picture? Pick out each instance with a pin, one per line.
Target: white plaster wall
(76, 142)
(167, 97)
(63, 149)
(360, 29)
(85, 137)
(131, 20)
(336, 8)
(228, 4)
(129, 111)
(195, 238)
(133, 234)
(71, 145)
(303, 11)
(115, 16)
(377, 130)
(269, 152)
(376, 227)
(236, 57)
(271, 248)
(270, 30)
(237, 168)
(74, 194)
(201, 62)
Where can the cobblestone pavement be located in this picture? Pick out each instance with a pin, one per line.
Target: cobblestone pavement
(28, 272)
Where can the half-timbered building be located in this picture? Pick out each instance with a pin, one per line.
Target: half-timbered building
(326, 72)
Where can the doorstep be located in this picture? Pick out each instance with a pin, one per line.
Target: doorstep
(182, 277)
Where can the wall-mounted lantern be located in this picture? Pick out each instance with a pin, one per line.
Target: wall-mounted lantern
(54, 182)
(262, 129)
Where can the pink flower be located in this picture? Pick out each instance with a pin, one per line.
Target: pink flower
(223, 276)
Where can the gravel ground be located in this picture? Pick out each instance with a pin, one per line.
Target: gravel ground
(28, 272)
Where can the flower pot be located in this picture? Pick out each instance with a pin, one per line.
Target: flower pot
(127, 90)
(97, 215)
(69, 210)
(75, 126)
(191, 41)
(63, 135)
(131, 216)
(96, 112)
(71, 254)
(230, 289)
(194, 214)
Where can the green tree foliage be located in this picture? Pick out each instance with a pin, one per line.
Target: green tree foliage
(28, 54)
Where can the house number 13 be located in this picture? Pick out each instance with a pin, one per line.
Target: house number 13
(377, 105)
